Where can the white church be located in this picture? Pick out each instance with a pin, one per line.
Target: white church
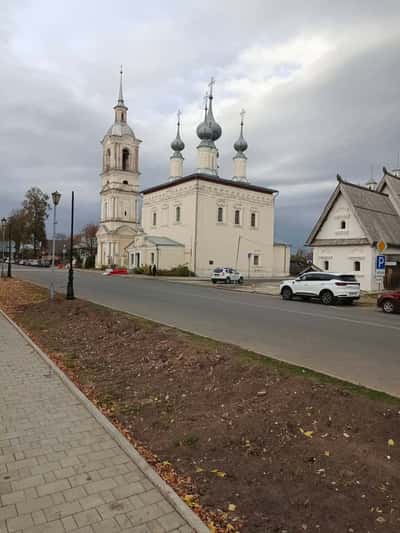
(200, 220)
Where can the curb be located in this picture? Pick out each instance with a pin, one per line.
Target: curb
(191, 518)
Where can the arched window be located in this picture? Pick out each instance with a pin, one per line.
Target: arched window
(108, 159)
(177, 213)
(326, 265)
(154, 218)
(220, 214)
(357, 266)
(125, 182)
(343, 224)
(237, 217)
(125, 159)
(105, 209)
(122, 116)
(253, 220)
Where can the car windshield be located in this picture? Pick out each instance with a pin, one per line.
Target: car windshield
(347, 277)
(217, 270)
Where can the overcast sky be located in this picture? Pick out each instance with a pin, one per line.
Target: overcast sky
(319, 81)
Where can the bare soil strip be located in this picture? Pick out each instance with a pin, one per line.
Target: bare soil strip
(251, 444)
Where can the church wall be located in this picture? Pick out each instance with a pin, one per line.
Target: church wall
(281, 259)
(227, 243)
(165, 203)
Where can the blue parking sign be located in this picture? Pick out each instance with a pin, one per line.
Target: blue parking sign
(380, 262)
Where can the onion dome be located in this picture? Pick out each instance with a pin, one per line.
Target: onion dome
(212, 123)
(177, 144)
(204, 132)
(241, 144)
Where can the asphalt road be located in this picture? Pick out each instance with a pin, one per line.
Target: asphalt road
(358, 344)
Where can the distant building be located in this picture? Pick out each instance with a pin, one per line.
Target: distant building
(199, 220)
(353, 221)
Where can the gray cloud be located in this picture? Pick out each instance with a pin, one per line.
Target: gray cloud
(319, 82)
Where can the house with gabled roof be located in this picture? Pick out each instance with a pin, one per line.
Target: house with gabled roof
(354, 220)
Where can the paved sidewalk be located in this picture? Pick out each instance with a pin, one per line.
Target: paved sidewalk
(60, 470)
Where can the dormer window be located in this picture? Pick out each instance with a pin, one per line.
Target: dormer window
(342, 224)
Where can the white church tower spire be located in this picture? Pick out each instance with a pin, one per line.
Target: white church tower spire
(119, 219)
(208, 132)
(176, 159)
(240, 159)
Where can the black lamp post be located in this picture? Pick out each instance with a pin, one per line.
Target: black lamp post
(9, 274)
(3, 242)
(70, 285)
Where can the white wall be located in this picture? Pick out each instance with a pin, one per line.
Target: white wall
(281, 260)
(342, 258)
(217, 243)
(331, 229)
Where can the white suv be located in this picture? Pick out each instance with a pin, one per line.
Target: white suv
(226, 275)
(326, 286)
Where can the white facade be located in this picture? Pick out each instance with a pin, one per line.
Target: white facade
(120, 199)
(218, 222)
(346, 235)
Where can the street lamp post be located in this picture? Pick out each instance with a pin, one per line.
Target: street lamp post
(56, 196)
(70, 285)
(3, 228)
(9, 275)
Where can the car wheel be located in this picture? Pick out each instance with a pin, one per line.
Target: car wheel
(240, 280)
(227, 280)
(388, 306)
(287, 293)
(327, 297)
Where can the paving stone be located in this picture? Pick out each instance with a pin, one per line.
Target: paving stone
(63, 471)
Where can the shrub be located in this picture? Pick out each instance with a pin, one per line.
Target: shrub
(179, 271)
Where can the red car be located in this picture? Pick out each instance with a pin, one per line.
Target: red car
(389, 302)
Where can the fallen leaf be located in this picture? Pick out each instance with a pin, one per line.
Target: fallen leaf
(231, 507)
(391, 442)
(198, 469)
(346, 435)
(308, 434)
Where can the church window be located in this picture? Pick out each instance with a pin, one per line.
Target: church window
(152, 258)
(220, 214)
(211, 262)
(154, 218)
(178, 213)
(122, 116)
(237, 217)
(256, 260)
(105, 209)
(125, 213)
(357, 266)
(253, 220)
(125, 182)
(108, 159)
(326, 265)
(343, 224)
(125, 159)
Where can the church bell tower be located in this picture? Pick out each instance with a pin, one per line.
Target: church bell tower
(119, 220)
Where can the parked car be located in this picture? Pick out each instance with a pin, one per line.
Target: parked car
(389, 302)
(22, 262)
(226, 275)
(326, 286)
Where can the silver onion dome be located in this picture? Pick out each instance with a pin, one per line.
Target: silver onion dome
(203, 130)
(212, 123)
(177, 144)
(241, 144)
